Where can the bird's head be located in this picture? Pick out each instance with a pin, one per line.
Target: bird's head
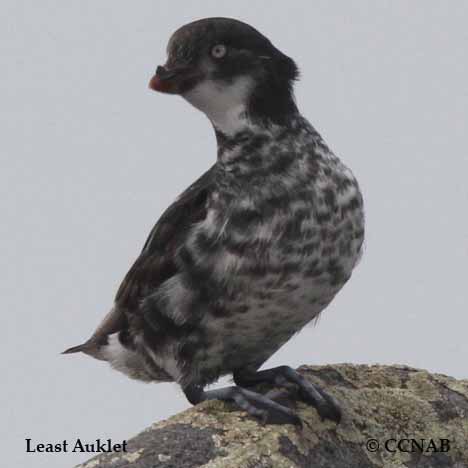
(230, 71)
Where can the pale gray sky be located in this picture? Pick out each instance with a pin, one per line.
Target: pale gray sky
(90, 158)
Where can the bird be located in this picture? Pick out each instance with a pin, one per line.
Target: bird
(253, 250)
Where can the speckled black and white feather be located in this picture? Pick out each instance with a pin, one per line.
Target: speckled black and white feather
(252, 251)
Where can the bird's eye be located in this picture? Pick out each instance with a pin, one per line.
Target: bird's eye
(218, 51)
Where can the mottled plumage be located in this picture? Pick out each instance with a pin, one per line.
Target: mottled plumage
(254, 249)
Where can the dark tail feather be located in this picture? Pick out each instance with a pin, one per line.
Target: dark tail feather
(76, 349)
(91, 348)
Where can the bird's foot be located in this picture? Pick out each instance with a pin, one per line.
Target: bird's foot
(285, 376)
(255, 404)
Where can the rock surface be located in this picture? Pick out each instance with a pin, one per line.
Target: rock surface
(380, 403)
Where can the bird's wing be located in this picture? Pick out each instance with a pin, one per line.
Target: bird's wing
(156, 262)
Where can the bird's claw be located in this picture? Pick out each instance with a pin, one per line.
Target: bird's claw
(327, 408)
(289, 379)
(259, 406)
(265, 409)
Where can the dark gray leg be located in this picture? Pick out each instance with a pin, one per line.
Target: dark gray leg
(259, 406)
(284, 376)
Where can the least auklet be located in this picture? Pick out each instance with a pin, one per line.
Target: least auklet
(253, 250)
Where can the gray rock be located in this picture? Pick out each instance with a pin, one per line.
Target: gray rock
(378, 402)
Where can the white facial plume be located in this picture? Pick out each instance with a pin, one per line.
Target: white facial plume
(224, 103)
